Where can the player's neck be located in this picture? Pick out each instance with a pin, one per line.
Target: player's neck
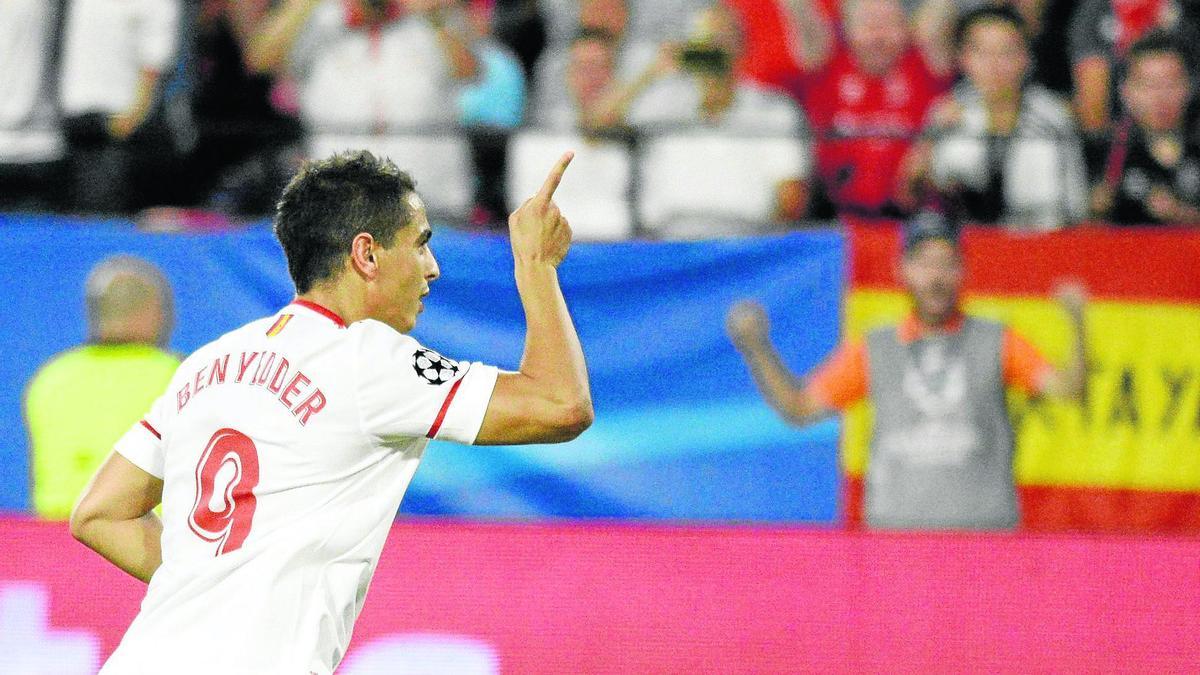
(338, 300)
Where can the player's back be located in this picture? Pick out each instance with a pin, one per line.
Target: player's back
(285, 447)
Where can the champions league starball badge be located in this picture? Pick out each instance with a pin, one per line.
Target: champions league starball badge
(433, 367)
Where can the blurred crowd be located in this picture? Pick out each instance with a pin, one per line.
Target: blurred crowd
(691, 118)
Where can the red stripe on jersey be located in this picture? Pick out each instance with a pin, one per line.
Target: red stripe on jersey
(323, 311)
(277, 327)
(437, 422)
(152, 430)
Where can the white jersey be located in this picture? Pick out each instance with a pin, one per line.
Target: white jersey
(284, 448)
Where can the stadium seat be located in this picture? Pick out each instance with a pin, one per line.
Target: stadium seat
(701, 184)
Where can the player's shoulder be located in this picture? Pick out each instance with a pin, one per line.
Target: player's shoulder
(227, 341)
(255, 328)
(378, 343)
(374, 342)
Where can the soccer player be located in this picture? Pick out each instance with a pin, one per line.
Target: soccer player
(281, 450)
(942, 444)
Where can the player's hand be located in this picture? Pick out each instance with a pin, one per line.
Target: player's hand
(747, 324)
(538, 231)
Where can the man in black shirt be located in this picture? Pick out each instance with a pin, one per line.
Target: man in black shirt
(1152, 170)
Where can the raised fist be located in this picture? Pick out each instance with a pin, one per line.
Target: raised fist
(747, 324)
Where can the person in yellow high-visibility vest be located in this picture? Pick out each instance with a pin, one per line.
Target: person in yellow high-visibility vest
(82, 400)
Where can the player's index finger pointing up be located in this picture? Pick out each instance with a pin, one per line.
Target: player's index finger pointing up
(555, 177)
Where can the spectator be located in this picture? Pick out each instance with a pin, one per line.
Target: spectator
(246, 146)
(709, 92)
(31, 142)
(942, 444)
(1046, 21)
(609, 15)
(103, 387)
(595, 101)
(1152, 175)
(116, 55)
(520, 26)
(636, 23)
(490, 108)
(368, 66)
(637, 31)
(866, 98)
(1001, 150)
(568, 22)
(589, 118)
(708, 130)
(1101, 33)
(767, 56)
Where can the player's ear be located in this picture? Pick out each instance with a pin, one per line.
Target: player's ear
(362, 255)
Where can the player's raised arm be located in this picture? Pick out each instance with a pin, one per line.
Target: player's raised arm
(548, 400)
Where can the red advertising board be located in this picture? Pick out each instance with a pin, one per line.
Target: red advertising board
(605, 598)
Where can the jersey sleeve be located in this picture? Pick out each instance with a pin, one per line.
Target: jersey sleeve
(1024, 366)
(405, 389)
(842, 380)
(143, 443)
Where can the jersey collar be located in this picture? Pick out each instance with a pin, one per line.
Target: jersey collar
(323, 311)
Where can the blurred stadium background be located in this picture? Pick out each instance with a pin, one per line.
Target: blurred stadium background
(690, 529)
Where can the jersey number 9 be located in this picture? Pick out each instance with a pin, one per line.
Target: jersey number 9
(225, 480)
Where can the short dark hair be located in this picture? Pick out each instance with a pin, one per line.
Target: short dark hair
(1157, 42)
(330, 201)
(989, 13)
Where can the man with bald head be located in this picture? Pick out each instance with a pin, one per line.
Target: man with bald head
(83, 400)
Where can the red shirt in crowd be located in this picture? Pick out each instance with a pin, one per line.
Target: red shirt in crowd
(864, 124)
(766, 58)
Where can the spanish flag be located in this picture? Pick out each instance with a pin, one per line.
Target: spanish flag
(1127, 458)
